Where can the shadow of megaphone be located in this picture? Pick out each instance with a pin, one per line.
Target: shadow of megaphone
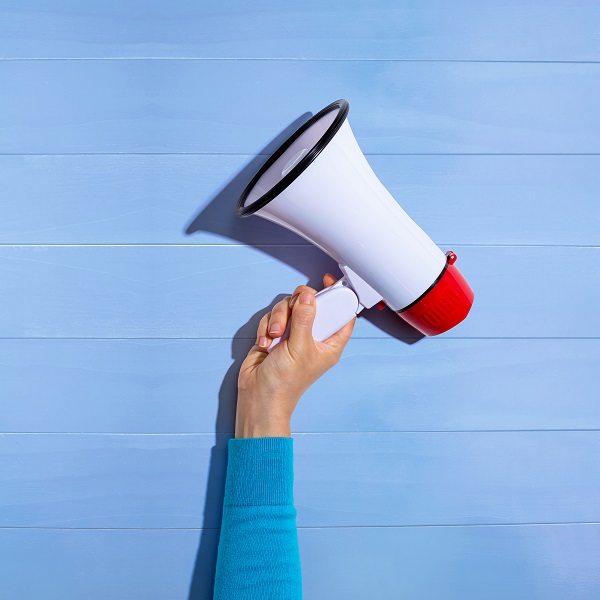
(218, 216)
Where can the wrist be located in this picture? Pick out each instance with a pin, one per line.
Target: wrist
(253, 429)
(256, 419)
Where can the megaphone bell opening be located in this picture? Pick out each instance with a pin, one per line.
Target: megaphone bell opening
(292, 158)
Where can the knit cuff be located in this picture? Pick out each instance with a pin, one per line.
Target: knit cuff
(260, 472)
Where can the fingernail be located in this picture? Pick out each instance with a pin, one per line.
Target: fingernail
(293, 299)
(262, 342)
(306, 298)
(275, 328)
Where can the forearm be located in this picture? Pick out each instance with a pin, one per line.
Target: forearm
(258, 551)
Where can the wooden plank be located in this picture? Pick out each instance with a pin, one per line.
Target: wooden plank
(343, 479)
(190, 386)
(117, 564)
(468, 30)
(93, 199)
(196, 291)
(396, 107)
(548, 562)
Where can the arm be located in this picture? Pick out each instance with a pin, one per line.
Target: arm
(258, 550)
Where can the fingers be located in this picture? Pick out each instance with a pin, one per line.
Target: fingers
(340, 338)
(273, 324)
(328, 279)
(298, 291)
(281, 312)
(278, 318)
(261, 335)
(303, 317)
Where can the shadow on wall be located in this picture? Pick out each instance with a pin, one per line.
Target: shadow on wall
(219, 217)
(202, 583)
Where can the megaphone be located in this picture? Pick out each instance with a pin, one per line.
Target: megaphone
(319, 185)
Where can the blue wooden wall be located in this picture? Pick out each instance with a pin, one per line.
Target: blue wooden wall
(460, 467)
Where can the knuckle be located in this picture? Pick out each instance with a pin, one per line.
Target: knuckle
(281, 307)
(304, 288)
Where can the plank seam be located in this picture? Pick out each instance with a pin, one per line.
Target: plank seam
(298, 245)
(356, 337)
(309, 527)
(253, 154)
(295, 433)
(293, 59)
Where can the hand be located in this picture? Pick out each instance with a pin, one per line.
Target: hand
(270, 384)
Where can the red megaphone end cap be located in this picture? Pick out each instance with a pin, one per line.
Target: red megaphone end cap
(444, 306)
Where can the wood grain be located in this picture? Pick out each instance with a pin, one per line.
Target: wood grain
(190, 386)
(116, 106)
(196, 291)
(467, 30)
(456, 468)
(344, 479)
(549, 562)
(190, 199)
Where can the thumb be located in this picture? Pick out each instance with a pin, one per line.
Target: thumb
(303, 317)
(340, 338)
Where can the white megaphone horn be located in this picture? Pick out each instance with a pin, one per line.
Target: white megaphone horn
(319, 185)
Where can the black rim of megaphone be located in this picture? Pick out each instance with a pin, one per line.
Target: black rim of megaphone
(284, 182)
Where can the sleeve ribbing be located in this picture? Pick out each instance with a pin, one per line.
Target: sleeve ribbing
(258, 555)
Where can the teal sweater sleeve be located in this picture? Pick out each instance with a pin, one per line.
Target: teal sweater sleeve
(258, 555)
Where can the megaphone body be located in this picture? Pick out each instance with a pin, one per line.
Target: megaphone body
(319, 185)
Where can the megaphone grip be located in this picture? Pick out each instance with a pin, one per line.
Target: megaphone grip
(336, 305)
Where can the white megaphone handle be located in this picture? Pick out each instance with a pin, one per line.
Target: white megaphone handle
(336, 306)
